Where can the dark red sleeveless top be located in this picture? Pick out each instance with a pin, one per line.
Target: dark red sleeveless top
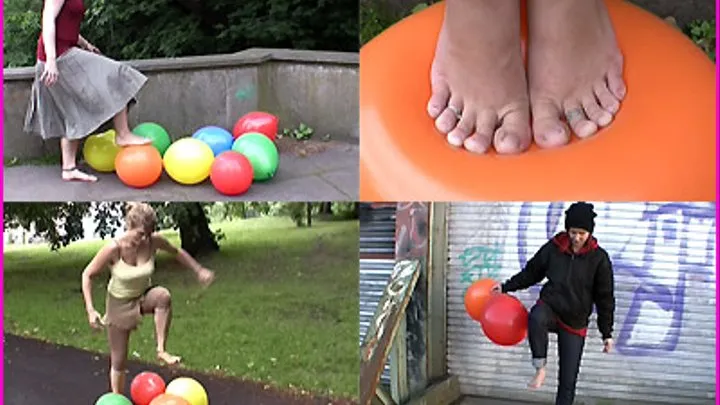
(67, 28)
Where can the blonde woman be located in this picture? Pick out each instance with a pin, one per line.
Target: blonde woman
(130, 292)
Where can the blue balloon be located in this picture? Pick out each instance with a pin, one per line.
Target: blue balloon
(218, 139)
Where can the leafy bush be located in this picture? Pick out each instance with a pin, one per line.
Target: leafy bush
(134, 29)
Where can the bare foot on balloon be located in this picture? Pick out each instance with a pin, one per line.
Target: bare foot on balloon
(538, 379)
(129, 139)
(574, 69)
(74, 174)
(168, 358)
(479, 91)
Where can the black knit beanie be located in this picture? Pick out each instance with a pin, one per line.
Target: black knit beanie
(580, 215)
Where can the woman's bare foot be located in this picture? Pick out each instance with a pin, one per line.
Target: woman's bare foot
(73, 174)
(574, 69)
(538, 379)
(479, 92)
(129, 139)
(168, 358)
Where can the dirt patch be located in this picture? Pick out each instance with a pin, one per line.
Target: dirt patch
(44, 373)
(305, 148)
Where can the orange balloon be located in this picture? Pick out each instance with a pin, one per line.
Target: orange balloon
(168, 399)
(477, 296)
(661, 145)
(139, 166)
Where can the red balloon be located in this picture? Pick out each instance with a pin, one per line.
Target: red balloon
(231, 173)
(257, 121)
(505, 320)
(145, 387)
(477, 296)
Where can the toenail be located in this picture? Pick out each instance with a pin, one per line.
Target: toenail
(555, 132)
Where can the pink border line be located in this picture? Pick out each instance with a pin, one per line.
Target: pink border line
(717, 215)
(717, 212)
(2, 207)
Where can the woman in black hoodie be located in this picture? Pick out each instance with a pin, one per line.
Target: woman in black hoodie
(579, 274)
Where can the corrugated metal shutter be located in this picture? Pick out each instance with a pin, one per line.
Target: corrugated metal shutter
(377, 258)
(664, 266)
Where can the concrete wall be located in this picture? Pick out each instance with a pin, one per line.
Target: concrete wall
(319, 89)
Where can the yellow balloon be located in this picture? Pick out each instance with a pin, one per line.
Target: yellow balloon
(188, 389)
(100, 150)
(188, 160)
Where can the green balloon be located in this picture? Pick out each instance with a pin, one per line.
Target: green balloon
(261, 152)
(113, 399)
(150, 130)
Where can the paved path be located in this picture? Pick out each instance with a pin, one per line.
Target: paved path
(330, 175)
(38, 373)
(492, 401)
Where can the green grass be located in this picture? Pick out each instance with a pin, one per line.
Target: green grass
(283, 309)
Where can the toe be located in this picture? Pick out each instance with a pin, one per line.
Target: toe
(456, 137)
(607, 100)
(578, 121)
(446, 121)
(593, 111)
(616, 84)
(549, 131)
(448, 118)
(439, 98)
(514, 134)
(485, 126)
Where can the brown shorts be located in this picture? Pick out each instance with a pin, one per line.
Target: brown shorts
(124, 313)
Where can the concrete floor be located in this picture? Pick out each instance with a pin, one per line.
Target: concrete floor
(331, 175)
(492, 401)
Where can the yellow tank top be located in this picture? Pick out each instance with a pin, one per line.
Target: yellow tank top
(128, 281)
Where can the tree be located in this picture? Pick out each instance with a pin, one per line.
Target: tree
(61, 223)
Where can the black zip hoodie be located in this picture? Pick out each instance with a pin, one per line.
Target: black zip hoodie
(576, 281)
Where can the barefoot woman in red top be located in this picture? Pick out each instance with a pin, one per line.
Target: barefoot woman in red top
(76, 89)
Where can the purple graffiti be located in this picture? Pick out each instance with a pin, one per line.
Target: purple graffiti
(664, 224)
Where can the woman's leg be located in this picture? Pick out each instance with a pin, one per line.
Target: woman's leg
(123, 135)
(570, 350)
(118, 341)
(157, 301)
(541, 322)
(69, 162)
(479, 91)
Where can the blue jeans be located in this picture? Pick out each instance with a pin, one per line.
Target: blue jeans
(541, 322)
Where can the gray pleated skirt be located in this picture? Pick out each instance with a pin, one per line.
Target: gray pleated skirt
(89, 91)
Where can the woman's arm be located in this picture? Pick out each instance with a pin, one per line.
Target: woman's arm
(533, 273)
(96, 265)
(203, 274)
(604, 297)
(51, 9)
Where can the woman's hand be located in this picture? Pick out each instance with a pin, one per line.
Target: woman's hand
(496, 289)
(95, 319)
(50, 74)
(205, 277)
(91, 48)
